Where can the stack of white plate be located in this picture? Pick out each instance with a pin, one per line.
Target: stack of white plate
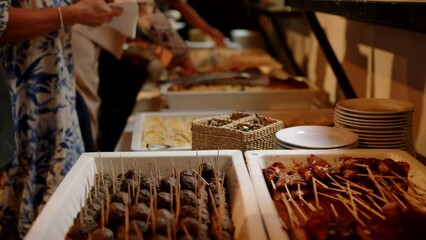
(379, 123)
(315, 137)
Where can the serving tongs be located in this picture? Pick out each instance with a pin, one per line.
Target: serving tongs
(252, 76)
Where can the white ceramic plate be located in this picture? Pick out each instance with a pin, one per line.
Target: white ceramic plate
(402, 131)
(257, 160)
(375, 106)
(372, 118)
(316, 136)
(354, 125)
(341, 118)
(281, 145)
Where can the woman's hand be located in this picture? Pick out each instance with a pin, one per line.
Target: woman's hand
(94, 12)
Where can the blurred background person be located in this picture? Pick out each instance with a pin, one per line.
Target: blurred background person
(36, 50)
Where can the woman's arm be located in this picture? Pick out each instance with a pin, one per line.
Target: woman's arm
(194, 19)
(25, 24)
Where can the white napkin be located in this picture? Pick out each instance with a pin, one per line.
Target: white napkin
(127, 22)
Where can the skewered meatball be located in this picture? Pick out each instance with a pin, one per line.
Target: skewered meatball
(187, 173)
(188, 197)
(139, 212)
(128, 184)
(164, 200)
(188, 182)
(194, 227)
(164, 220)
(168, 183)
(102, 234)
(207, 171)
(120, 197)
(117, 213)
(147, 183)
(82, 228)
(192, 212)
(144, 197)
(133, 234)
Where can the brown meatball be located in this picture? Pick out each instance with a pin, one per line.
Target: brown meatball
(102, 234)
(139, 212)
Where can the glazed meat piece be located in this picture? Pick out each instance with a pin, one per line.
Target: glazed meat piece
(273, 172)
(292, 178)
(387, 166)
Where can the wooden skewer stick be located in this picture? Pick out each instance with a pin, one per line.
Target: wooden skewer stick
(283, 223)
(335, 181)
(200, 208)
(355, 185)
(379, 188)
(374, 202)
(352, 199)
(126, 222)
(310, 206)
(138, 233)
(102, 173)
(404, 207)
(381, 176)
(305, 218)
(185, 230)
(350, 210)
(200, 177)
(114, 178)
(102, 215)
(334, 210)
(315, 193)
(367, 207)
(291, 216)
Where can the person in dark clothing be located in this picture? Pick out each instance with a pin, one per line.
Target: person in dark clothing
(120, 83)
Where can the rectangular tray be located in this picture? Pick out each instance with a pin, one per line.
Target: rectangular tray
(240, 100)
(257, 160)
(60, 211)
(181, 117)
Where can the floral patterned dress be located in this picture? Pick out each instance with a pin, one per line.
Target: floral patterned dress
(47, 133)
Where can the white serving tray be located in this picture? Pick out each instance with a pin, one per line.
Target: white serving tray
(241, 100)
(257, 160)
(141, 118)
(60, 211)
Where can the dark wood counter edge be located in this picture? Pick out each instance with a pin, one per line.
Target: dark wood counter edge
(408, 15)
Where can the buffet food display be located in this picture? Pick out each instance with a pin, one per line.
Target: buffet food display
(340, 194)
(133, 195)
(293, 93)
(165, 130)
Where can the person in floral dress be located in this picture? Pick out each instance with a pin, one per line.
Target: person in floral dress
(36, 50)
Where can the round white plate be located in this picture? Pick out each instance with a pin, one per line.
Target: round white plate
(375, 106)
(316, 136)
(379, 128)
(395, 121)
(375, 131)
(363, 117)
(289, 146)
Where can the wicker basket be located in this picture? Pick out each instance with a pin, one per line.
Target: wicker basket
(243, 131)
